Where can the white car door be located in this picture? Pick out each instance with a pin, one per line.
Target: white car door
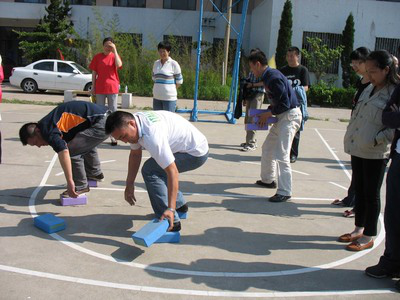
(44, 75)
(68, 78)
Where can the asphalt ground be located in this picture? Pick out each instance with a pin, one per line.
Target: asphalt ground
(235, 244)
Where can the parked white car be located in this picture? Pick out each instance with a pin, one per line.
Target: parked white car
(51, 74)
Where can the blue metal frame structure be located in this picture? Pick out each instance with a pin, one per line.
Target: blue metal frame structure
(229, 113)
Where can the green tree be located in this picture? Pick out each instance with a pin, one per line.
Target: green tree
(284, 35)
(348, 44)
(320, 57)
(52, 34)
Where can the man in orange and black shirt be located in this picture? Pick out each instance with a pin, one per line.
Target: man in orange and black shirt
(73, 130)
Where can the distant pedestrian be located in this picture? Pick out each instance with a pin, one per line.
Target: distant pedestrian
(167, 77)
(105, 80)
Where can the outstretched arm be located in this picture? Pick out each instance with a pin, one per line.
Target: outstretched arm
(135, 157)
(65, 161)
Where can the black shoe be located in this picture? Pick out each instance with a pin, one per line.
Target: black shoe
(293, 159)
(271, 185)
(99, 177)
(279, 198)
(177, 227)
(397, 285)
(379, 272)
(183, 209)
(85, 190)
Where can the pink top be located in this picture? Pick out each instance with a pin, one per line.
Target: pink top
(107, 81)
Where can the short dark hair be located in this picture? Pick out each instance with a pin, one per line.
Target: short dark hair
(384, 59)
(294, 49)
(164, 45)
(360, 53)
(108, 39)
(117, 119)
(26, 132)
(256, 55)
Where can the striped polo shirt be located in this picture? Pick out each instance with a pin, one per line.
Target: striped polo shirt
(165, 78)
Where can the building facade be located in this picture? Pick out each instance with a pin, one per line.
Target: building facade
(376, 22)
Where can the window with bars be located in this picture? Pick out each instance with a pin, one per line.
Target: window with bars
(237, 6)
(129, 3)
(333, 40)
(388, 44)
(82, 2)
(180, 44)
(180, 4)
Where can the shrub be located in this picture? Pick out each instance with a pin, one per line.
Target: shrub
(326, 95)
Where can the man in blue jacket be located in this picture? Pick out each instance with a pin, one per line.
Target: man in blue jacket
(275, 158)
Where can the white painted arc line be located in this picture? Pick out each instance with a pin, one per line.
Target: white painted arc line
(294, 171)
(197, 273)
(329, 129)
(107, 161)
(59, 174)
(334, 155)
(338, 185)
(46, 175)
(150, 289)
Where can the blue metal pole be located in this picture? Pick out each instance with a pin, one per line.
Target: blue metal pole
(193, 117)
(235, 73)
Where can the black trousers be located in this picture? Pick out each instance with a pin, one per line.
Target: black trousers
(391, 256)
(294, 151)
(368, 177)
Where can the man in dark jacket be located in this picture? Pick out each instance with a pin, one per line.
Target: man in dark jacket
(73, 130)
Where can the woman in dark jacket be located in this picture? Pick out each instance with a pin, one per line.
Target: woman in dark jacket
(389, 263)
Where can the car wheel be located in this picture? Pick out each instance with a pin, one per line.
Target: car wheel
(29, 86)
(88, 87)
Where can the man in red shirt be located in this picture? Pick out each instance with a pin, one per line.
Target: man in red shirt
(105, 80)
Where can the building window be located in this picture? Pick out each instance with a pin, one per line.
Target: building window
(180, 4)
(32, 1)
(222, 5)
(333, 40)
(180, 44)
(390, 45)
(82, 2)
(130, 3)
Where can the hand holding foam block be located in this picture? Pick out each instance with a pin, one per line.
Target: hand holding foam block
(254, 126)
(80, 200)
(150, 232)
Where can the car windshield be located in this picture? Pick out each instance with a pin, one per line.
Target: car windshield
(81, 69)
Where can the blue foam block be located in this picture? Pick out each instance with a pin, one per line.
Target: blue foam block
(92, 183)
(169, 237)
(80, 200)
(150, 232)
(49, 223)
(182, 215)
(253, 112)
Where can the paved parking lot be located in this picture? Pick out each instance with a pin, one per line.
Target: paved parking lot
(235, 244)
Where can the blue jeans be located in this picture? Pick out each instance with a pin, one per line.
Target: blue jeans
(155, 179)
(164, 105)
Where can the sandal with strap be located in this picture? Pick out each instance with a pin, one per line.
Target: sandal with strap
(337, 202)
(349, 213)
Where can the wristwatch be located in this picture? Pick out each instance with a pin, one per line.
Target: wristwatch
(171, 209)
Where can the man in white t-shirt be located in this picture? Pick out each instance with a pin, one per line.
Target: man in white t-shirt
(175, 146)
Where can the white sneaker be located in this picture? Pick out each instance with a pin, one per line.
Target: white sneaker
(248, 148)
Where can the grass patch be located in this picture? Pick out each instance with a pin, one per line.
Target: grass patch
(18, 101)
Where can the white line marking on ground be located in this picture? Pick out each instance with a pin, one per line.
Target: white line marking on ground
(59, 174)
(150, 289)
(107, 161)
(330, 129)
(258, 163)
(333, 154)
(338, 185)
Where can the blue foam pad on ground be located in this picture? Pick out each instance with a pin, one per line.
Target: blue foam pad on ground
(170, 237)
(150, 232)
(80, 200)
(182, 215)
(92, 183)
(49, 223)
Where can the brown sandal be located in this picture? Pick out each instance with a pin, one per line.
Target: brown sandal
(347, 238)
